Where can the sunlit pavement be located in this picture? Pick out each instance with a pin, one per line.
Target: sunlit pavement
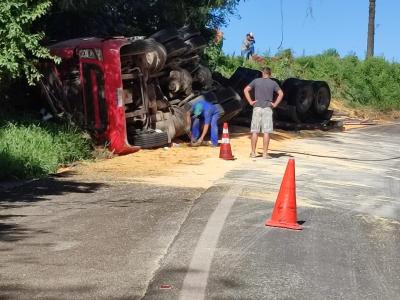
(348, 189)
(61, 239)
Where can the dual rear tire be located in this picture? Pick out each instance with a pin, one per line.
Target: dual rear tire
(310, 98)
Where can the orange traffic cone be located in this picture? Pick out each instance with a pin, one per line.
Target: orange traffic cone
(285, 214)
(225, 151)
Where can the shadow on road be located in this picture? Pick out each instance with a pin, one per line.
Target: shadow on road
(41, 190)
(289, 153)
(17, 291)
(11, 232)
(28, 194)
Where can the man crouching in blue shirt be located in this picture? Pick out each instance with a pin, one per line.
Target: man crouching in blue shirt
(204, 114)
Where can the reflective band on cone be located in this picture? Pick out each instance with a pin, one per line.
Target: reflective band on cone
(225, 148)
(225, 140)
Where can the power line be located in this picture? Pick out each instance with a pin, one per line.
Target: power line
(280, 45)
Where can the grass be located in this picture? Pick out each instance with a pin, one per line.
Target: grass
(373, 83)
(32, 149)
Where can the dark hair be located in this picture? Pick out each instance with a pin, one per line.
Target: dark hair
(266, 70)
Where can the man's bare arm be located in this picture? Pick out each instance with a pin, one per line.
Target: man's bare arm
(246, 92)
(188, 124)
(204, 132)
(278, 99)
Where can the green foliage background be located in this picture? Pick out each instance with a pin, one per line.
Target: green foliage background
(373, 82)
(77, 18)
(25, 24)
(19, 46)
(31, 149)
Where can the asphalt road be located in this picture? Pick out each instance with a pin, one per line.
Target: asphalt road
(66, 239)
(61, 239)
(350, 210)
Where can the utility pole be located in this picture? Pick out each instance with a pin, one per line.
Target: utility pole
(371, 29)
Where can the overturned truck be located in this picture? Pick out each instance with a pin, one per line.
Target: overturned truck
(133, 93)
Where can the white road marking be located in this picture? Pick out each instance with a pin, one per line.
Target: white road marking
(195, 283)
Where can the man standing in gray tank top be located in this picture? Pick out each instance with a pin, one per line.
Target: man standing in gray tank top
(263, 103)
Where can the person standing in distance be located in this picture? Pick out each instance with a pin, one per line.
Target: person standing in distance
(247, 49)
(263, 104)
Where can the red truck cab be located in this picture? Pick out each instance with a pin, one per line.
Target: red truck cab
(132, 93)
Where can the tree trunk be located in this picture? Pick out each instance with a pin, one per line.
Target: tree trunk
(371, 29)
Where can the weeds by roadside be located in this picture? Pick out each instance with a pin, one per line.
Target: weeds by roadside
(373, 83)
(30, 149)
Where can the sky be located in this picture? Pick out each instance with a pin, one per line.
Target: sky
(338, 24)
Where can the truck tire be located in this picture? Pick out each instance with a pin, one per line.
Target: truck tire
(182, 61)
(298, 93)
(226, 94)
(176, 48)
(187, 32)
(289, 84)
(196, 44)
(220, 79)
(210, 97)
(192, 68)
(150, 139)
(156, 59)
(242, 77)
(303, 98)
(138, 47)
(322, 97)
(190, 59)
(156, 54)
(231, 108)
(166, 35)
(202, 78)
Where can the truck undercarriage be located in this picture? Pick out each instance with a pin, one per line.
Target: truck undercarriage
(133, 93)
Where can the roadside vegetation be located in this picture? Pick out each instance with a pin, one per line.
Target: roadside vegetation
(31, 149)
(374, 82)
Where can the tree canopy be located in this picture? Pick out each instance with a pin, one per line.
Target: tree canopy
(19, 47)
(72, 18)
(26, 24)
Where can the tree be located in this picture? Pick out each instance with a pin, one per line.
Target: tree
(76, 18)
(371, 29)
(19, 45)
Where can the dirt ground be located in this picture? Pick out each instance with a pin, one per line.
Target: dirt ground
(180, 165)
(364, 113)
(185, 166)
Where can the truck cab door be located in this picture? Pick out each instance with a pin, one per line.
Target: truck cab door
(94, 99)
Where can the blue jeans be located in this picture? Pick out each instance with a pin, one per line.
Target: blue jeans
(198, 123)
(247, 53)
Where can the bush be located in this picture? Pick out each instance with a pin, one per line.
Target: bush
(374, 82)
(30, 149)
(20, 47)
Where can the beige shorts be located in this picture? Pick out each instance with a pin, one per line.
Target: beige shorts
(261, 120)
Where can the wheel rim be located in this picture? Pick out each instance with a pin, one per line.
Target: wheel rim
(304, 101)
(322, 100)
